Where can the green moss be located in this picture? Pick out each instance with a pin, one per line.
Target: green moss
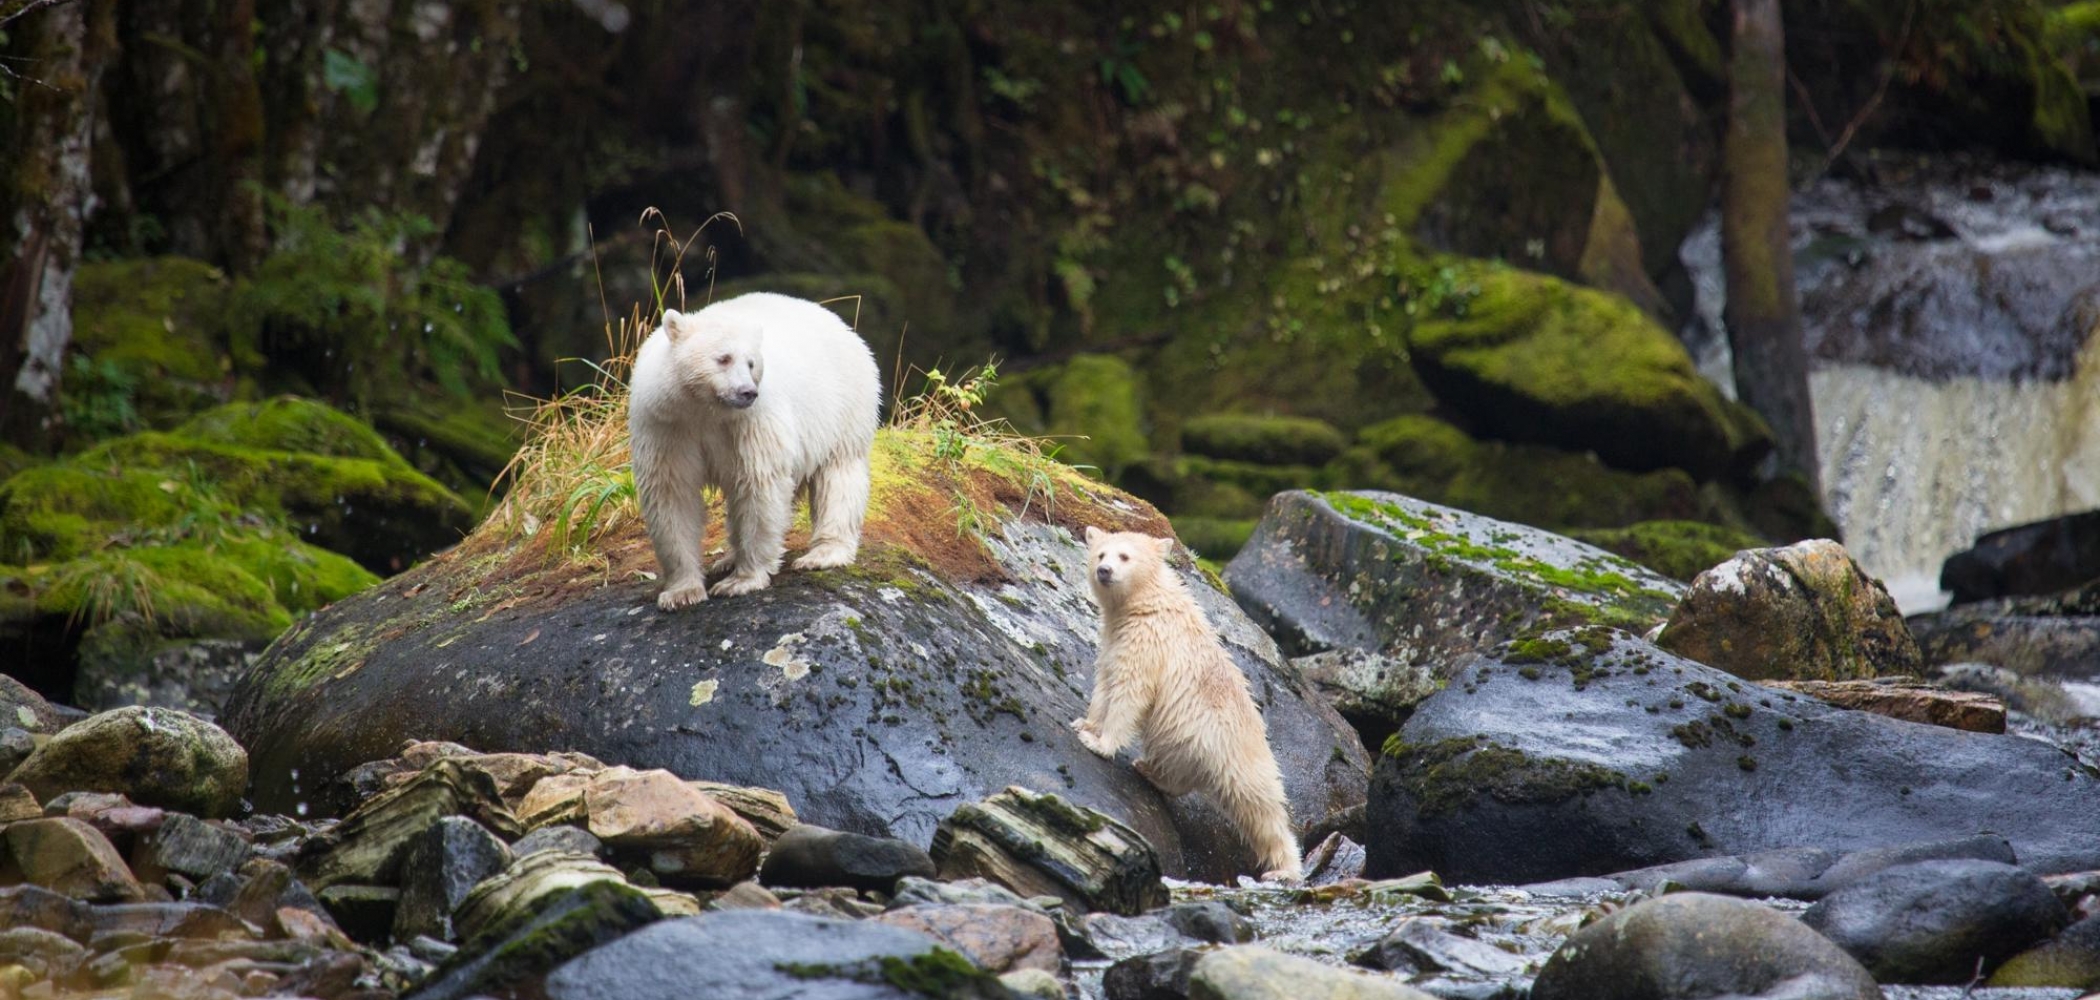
(289, 423)
(1546, 487)
(159, 321)
(185, 589)
(462, 443)
(1680, 550)
(1266, 440)
(1448, 774)
(1095, 407)
(1214, 538)
(1534, 358)
(937, 972)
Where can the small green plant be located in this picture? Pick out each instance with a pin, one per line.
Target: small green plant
(1120, 72)
(599, 492)
(98, 398)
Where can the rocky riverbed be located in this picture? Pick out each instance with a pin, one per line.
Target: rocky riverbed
(1586, 781)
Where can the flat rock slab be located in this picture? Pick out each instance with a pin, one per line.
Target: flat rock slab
(1909, 699)
(876, 698)
(767, 953)
(1590, 751)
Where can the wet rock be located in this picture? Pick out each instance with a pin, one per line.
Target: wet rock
(982, 653)
(559, 837)
(1585, 752)
(1252, 972)
(190, 675)
(769, 953)
(444, 864)
(258, 891)
(1033, 983)
(833, 901)
(36, 906)
(997, 938)
(23, 708)
(1209, 921)
(1802, 612)
(529, 942)
(1419, 945)
(2053, 637)
(159, 757)
(1334, 859)
(1043, 845)
(511, 774)
(187, 846)
(521, 886)
(766, 810)
(2041, 557)
(1692, 945)
(1938, 921)
(365, 912)
(113, 815)
(2070, 960)
(682, 834)
(16, 745)
(17, 802)
(1909, 699)
(48, 956)
(67, 856)
(1804, 872)
(167, 920)
(810, 856)
(370, 843)
(1160, 975)
(746, 896)
(913, 891)
(1418, 586)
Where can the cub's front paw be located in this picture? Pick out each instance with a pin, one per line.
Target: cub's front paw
(1092, 740)
(681, 596)
(740, 583)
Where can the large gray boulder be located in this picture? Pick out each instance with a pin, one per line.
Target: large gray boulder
(1693, 946)
(940, 669)
(1380, 596)
(1590, 751)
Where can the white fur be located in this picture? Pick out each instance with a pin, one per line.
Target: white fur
(1162, 677)
(809, 426)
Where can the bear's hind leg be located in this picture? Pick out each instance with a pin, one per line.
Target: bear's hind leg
(838, 503)
(759, 510)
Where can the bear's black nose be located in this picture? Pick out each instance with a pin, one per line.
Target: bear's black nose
(746, 396)
(1103, 574)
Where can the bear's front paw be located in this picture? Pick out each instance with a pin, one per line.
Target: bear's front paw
(829, 555)
(1095, 743)
(740, 583)
(682, 596)
(1283, 875)
(723, 563)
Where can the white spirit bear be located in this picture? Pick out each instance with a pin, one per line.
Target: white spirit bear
(761, 396)
(1161, 676)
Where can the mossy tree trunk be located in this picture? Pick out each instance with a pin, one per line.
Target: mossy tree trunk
(47, 200)
(1763, 313)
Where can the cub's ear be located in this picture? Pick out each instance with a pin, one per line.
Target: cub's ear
(1165, 546)
(1094, 534)
(675, 325)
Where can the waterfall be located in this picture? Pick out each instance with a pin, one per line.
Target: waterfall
(1949, 316)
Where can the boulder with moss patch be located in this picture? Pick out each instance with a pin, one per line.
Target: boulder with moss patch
(1803, 612)
(943, 666)
(1588, 751)
(1419, 586)
(152, 330)
(1527, 357)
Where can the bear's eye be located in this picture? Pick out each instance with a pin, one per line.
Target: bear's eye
(1125, 556)
(723, 360)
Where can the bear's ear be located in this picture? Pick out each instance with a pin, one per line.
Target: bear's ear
(1165, 546)
(674, 325)
(1094, 534)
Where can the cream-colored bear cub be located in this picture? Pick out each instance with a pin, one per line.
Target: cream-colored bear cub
(760, 396)
(1163, 678)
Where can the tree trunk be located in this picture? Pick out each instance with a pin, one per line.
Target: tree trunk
(1763, 312)
(49, 198)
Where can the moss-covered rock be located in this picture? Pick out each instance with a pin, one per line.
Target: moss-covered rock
(1679, 550)
(1268, 440)
(1546, 487)
(462, 443)
(289, 423)
(158, 325)
(1802, 612)
(1530, 358)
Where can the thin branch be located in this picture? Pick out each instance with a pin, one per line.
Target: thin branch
(28, 8)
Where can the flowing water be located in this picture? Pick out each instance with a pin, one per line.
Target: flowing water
(1949, 314)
